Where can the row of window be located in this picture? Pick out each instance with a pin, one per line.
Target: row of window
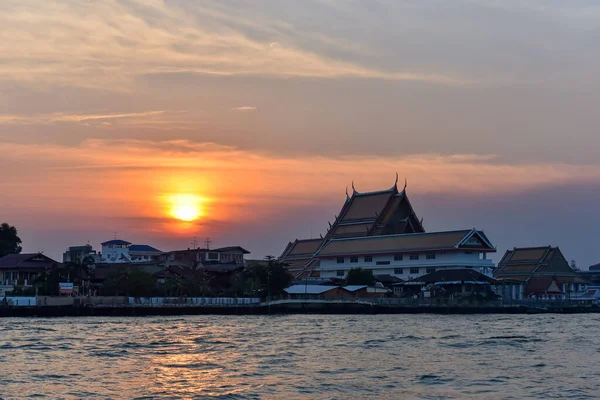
(397, 271)
(397, 257)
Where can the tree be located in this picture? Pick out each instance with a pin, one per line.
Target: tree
(130, 282)
(359, 276)
(270, 279)
(10, 242)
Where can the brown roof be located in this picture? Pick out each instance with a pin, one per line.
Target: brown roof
(529, 254)
(395, 243)
(535, 261)
(367, 205)
(520, 268)
(541, 285)
(301, 249)
(362, 229)
(27, 261)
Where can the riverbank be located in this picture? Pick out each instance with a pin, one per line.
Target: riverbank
(289, 307)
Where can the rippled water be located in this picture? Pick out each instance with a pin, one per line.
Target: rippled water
(302, 357)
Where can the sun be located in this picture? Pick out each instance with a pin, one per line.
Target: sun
(185, 207)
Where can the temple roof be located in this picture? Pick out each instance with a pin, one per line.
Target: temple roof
(301, 249)
(384, 212)
(388, 244)
(530, 261)
(375, 213)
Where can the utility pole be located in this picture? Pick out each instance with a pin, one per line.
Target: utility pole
(195, 243)
(207, 242)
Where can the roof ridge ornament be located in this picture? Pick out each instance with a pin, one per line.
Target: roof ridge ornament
(396, 182)
(353, 188)
(405, 184)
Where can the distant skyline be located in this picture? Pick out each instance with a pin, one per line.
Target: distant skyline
(251, 118)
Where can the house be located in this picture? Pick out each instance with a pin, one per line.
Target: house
(81, 254)
(23, 269)
(544, 271)
(387, 280)
(116, 251)
(191, 258)
(364, 291)
(407, 256)
(385, 212)
(594, 268)
(143, 253)
(122, 251)
(317, 292)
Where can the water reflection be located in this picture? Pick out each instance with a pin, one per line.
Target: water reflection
(301, 357)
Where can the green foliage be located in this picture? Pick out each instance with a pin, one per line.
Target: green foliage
(130, 281)
(10, 242)
(359, 276)
(270, 279)
(47, 282)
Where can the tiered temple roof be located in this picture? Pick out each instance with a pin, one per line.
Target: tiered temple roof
(540, 268)
(385, 212)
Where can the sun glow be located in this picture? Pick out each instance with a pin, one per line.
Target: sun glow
(185, 207)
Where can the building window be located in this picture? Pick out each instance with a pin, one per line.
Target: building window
(340, 260)
(398, 271)
(382, 263)
(430, 270)
(414, 256)
(414, 270)
(340, 273)
(353, 260)
(397, 257)
(368, 258)
(430, 256)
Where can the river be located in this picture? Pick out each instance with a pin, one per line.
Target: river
(302, 357)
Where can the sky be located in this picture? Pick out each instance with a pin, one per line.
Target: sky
(121, 118)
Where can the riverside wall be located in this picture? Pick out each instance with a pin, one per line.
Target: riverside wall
(123, 306)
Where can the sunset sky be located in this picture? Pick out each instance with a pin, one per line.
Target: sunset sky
(251, 118)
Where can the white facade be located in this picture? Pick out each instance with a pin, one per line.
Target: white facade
(115, 253)
(406, 265)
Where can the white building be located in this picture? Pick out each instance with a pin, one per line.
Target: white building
(407, 256)
(121, 251)
(116, 251)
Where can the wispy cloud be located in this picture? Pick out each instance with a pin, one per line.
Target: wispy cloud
(104, 118)
(108, 44)
(244, 108)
